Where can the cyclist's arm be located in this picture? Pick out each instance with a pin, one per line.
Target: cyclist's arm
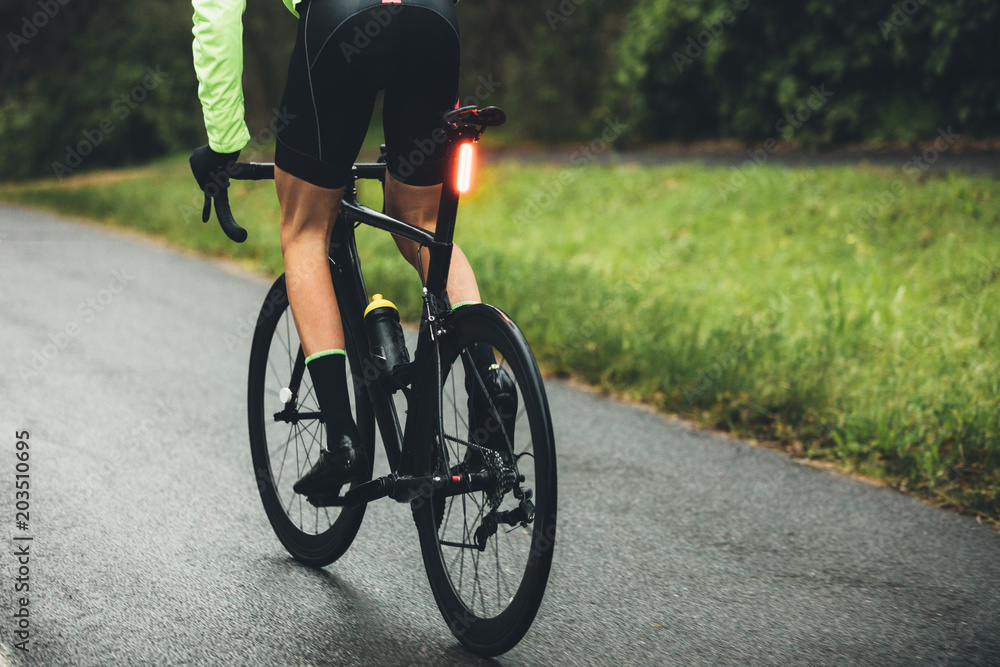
(218, 62)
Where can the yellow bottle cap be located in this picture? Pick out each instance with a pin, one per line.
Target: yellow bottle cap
(379, 302)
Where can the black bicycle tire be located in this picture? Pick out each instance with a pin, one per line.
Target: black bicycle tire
(496, 635)
(320, 549)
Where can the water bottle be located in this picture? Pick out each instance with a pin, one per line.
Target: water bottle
(385, 340)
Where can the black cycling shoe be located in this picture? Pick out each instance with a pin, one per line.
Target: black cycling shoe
(492, 416)
(344, 461)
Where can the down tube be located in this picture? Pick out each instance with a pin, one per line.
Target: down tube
(349, 284)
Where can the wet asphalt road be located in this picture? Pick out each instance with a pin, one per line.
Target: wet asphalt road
(126, 364)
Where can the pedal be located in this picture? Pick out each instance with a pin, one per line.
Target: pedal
(354, 497)
(326, 499)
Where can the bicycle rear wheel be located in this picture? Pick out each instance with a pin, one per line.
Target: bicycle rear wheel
(286, 437)
(488, 553)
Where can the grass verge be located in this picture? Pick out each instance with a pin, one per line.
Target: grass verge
(846, 314)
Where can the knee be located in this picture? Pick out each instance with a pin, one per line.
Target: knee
(294, 242)
(295, 235)
(288, 239)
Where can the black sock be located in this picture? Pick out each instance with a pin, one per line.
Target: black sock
(482, 355)
(329, 375)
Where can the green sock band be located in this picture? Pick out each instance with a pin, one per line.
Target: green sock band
(324, 353)
(464, 303)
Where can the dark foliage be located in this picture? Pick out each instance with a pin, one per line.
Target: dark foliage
(79, 78)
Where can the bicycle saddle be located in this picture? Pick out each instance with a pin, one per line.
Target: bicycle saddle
(487, 116)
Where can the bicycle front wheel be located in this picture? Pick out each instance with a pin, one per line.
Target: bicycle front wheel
(286, 436)
(488, 553)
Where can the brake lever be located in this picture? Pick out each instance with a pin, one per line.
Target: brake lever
(206, 212)
(225, 216)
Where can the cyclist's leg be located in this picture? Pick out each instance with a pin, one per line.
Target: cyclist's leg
(418, 163)
(313, 158)
(418, 205)
(315, 149)
(308, 213)
(423, 87)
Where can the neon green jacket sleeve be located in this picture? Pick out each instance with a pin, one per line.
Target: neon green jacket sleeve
(218, 62)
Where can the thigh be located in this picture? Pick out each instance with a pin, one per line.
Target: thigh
(307, 210)
(422, 87)
(334, 75)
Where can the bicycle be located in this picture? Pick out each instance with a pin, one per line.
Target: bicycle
(485, 515)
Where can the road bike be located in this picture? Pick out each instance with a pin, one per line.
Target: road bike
(482, 491)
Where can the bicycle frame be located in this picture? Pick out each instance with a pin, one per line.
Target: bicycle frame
(349, 285)
(402, 484)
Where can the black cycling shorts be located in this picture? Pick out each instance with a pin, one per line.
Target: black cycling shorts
(345, 52)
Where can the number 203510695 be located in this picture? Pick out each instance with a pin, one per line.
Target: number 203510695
(22, 479)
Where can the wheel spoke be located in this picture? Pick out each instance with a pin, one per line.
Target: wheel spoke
(281, 468)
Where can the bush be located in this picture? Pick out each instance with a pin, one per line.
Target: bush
(701, 68)
(550, 58)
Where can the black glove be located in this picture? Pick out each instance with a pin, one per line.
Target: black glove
(211, 170)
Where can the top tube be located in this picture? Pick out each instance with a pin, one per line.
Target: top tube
(354, 211)
(351, 209)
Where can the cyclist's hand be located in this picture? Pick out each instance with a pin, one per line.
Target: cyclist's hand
(211, 170)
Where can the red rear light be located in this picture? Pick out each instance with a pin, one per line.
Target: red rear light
(464, 177)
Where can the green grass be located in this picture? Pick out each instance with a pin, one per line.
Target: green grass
(847, 314)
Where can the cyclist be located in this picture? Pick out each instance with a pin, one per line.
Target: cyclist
(345, 52)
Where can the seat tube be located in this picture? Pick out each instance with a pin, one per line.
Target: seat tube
(440, 263)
